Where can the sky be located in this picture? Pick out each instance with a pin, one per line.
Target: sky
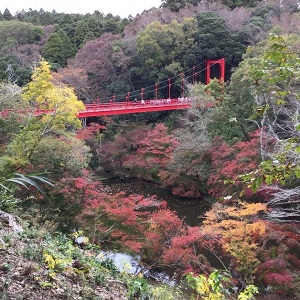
(123, 8)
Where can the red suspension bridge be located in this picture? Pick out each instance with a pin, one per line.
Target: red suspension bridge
(128, 106)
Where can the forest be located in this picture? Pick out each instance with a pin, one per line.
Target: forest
(236, 149)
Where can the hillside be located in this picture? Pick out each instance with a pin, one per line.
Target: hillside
(237, 144)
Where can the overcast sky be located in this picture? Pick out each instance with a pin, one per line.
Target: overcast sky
(123, 8)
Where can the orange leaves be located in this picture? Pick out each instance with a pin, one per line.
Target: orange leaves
(239, 228)
(240, 211)
(245, 209)
(235, 221)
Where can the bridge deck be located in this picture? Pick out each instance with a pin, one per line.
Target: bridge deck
(118, 108)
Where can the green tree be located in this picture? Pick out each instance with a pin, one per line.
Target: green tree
(174, 5)
(68, 50)
(8, 63)
(7, 15)
(88, 37)
(52, 49)
(178, 4)
(236, 107)
(113, 24)
(43, 94)
(10, 98)
(63, 154)
(239, 3)
(45, 17)
(81, 31)
(258, 25)
(94, 26)
(58, 48)
(68, 24)
(161, 48)
(275, 79)
(22, 32)
(214, 40)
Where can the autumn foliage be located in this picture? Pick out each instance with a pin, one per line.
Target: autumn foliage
(186, 173)
(143, 151)
(228, 162)
(131, 222)
(187, 251)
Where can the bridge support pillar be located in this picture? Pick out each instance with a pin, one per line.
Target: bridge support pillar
(221, 63)
(83, 122)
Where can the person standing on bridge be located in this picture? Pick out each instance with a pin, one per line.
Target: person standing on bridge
(142, 102)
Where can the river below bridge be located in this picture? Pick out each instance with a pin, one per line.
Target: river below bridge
(191, 210)
(188, 209)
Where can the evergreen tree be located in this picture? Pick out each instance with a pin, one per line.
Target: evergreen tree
(81, 30)
(67, 48)
(214, 40)
(68, 25)
(94, 26)
(45, 17)
(52, 49)
(88, 37)
(7, 16)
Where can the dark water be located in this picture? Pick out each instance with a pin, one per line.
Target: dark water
(191, 210)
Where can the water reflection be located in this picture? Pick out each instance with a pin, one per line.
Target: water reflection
(131, 265)
(123, 262)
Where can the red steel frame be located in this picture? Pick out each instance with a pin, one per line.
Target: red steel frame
(119, 108)
(211, 62)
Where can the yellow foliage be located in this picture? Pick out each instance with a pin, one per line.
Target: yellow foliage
(64, 106)
(241, 211)
(61, 100)
(245, 209)
(241, 229)
(40, 83)
(49, 260)
(238, 228)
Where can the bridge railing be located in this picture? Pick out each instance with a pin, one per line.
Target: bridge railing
(139, 103)
(111, 108)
